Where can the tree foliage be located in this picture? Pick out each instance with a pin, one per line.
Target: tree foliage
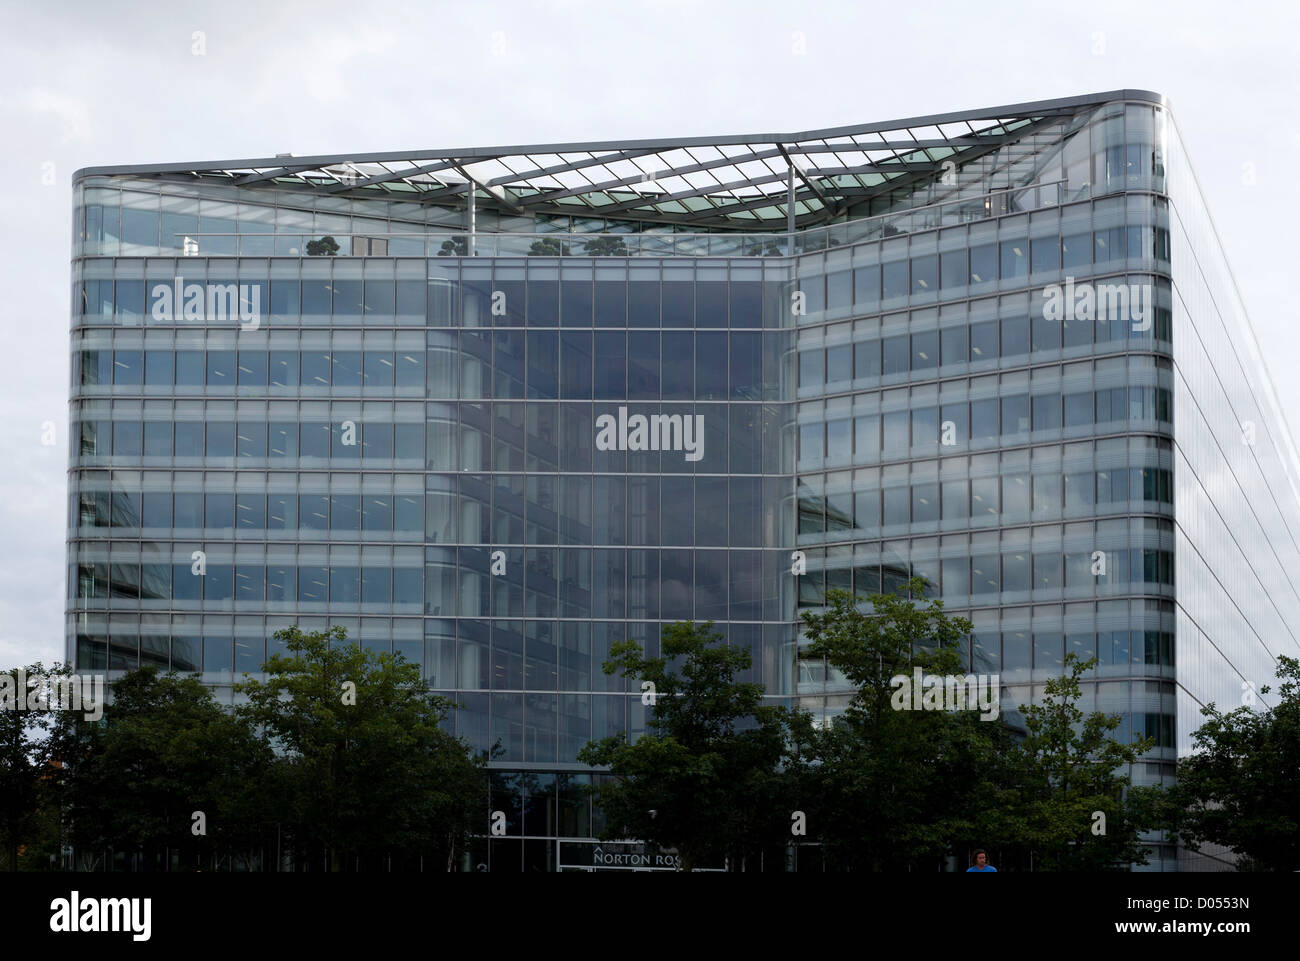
(1241, 789)
(1075, 808)
(897, 788)
(28, 795)
(365, 763)
(355, 774)
(163, 751)
(454, 247)
(705, 778)
(548, 247)
(892, 788)
(325, 247)
(605, 246)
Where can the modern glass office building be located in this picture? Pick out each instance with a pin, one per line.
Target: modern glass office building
(496, 409)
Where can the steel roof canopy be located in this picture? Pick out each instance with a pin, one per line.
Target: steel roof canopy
(736, 182)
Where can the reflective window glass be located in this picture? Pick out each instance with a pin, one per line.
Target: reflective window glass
(953, 269)
(983, 263)
(1015, 259)
(894, 279)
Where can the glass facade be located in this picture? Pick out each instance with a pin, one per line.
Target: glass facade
(475, 438)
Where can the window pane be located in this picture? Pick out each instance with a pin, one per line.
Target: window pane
(284, 368)
(925, 427)
(986, 575)
(1047, 494)
(221, 439)
(866, 437)
(346, 368)
(983, 496)
(953, 269)
(956, 500)
(219, 511)
(984, 418)
(954, 424)
(896, 355)
(377, 369)
(313, 512)
(839, 361)
(1015, 336)
(897, 505)
(954, 347)
(221, 368)
(1076, 251)
(925, 350)
(984, 341)
(1079, 490)
(1047, 333)
(983, 263)
(1015, 571)
(894, 283)
(1046, 253)
(925, 502)
(252, 368)
(189, 368)
(250, 439)
(1049, 571)
(127, 438)
(1015, 262)
(315, 368)
(925, 274)
(345, 512)
(1015, 414)
(866, 359)
(1047, 412)
(956, 576)
(1015, 497)
(839, 289)
(866, 285)
(896, 430)
(189, 439)
(128, 367)
(1078, 409)
(811, 368)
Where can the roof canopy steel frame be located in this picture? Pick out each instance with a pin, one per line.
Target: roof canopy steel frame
(712, 183)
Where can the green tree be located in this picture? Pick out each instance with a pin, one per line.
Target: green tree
(605, 246)
(1240, 789)
(28, 795)
(164, 750)
(548, 247)
(365, 768)
(1069, 785)
(763, 248)
(888, 787)
(705, 778)
(455, 247)
(325, 247)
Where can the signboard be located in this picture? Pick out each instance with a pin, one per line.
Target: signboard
(619, 856)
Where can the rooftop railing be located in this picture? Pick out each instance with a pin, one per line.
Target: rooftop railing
(464, 244)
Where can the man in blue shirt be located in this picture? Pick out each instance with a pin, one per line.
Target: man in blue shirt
(981, 864)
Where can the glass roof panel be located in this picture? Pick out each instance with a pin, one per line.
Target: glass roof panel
(731, 180)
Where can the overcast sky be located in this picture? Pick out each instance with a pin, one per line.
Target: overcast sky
(89, 83)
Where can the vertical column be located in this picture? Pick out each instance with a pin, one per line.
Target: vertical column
(789, 209)
(469, 207)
